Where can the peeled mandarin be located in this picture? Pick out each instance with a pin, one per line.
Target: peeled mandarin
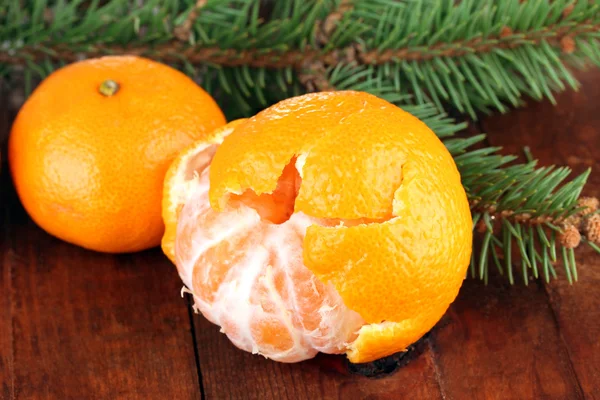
(332, 222)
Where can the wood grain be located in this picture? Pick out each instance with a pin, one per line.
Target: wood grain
(567, 134)
(502, 342)
(84, 325)
(6, 312)
(228, 372)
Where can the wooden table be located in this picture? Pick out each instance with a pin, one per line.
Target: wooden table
(78, 325)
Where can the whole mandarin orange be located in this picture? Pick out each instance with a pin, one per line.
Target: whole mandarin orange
(332, 222)
(89, 149)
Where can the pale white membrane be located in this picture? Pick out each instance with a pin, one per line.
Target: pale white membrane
(248, 296)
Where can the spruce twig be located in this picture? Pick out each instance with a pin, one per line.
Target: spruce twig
(473, 56)
(557, 35)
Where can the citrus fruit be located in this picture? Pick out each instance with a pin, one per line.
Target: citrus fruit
(89, 149)
(332, 222)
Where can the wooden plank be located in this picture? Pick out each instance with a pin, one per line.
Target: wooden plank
(501, 342)
(6, 329)
(89, 325)
(228, 372)
(567, 134)
(6, 332)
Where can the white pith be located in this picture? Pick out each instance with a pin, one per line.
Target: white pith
(233, 302)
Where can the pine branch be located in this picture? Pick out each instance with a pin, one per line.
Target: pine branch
(172, 51)
(423, 55)
(524, 210)
(471, 55)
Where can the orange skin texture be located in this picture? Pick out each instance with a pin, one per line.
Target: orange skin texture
(88, 168)
(404, 244)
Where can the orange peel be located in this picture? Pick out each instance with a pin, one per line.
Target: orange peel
(181, 176)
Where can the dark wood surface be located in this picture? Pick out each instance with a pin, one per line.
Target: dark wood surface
(79, 325)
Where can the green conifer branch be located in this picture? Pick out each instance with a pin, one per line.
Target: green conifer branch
(471, 55)
(424, 55)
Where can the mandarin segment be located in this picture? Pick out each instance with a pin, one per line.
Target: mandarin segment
(213, 265)
(273, 334)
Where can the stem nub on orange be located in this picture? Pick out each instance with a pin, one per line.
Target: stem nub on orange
(332, 222)
(89, 149)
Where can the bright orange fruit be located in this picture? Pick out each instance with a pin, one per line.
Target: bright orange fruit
(89, 149)
(332, 222)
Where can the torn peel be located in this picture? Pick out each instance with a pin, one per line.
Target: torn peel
(277, 206)
(182, 177)
(376, 341)
(345, 175)
(183, 182)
